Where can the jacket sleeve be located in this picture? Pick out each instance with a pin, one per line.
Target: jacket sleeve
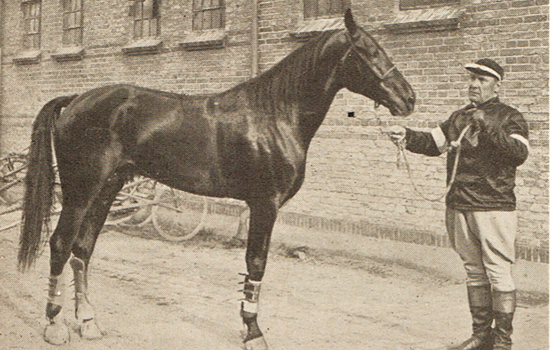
(511, 140)
(421, 142)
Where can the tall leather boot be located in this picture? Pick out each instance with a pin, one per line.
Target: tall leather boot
(504, 306)
(481, 308)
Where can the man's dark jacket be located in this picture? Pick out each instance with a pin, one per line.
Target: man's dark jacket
(486, 174)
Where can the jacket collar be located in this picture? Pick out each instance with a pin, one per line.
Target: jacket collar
(484, 104)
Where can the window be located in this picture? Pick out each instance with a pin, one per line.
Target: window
(72, 22)
(415, 4)
(31, 24)
(146, 18)
(208, 14)
(325, 8)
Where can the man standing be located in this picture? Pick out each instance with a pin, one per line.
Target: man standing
(480, 216)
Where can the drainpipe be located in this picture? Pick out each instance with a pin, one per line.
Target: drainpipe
(254, 39)
(1, 70)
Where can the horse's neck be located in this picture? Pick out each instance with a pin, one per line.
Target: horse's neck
(299, 98)
(314, 108)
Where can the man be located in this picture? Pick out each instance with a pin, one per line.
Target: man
(480, 217)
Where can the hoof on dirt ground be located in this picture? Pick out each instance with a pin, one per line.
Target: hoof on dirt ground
(256, 344)
(57, 333)
(89, 330)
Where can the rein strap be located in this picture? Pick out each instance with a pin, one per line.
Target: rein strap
(455, 144)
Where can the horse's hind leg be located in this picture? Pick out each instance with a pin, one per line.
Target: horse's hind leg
(82, 251)
(61, 243)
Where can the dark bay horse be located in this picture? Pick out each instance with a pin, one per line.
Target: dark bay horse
(248, 143)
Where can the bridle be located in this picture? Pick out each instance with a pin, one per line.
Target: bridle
(353, 48)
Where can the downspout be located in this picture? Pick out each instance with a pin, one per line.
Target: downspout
(1, 72)
(254, 40)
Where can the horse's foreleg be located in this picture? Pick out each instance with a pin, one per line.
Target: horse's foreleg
(262, 219)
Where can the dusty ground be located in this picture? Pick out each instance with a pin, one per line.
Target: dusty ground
(153, 294)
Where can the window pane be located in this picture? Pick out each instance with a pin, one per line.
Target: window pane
(197, 21)
(35, 41)
(322, 7)
(207, 19)
(310, 8)
(137, 29)
(336, 7)
(70, 22)
(319, 8)
(148, 9)
(34, 26)
(215, 19)
(145, 29)
(139, 10)
(197, 5)
(79, 36)
(154, 27)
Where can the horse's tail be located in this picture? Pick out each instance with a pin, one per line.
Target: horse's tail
(39, 182)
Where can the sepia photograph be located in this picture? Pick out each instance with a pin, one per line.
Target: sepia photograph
(274, 174)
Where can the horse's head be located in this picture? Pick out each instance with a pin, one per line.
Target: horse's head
(367, 70)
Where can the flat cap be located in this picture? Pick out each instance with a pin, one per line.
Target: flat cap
(486, 66)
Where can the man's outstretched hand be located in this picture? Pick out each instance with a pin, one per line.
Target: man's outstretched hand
(396, 133)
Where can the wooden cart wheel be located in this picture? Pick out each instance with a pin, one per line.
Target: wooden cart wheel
(132, 206)
(12, 176)
(178, 217)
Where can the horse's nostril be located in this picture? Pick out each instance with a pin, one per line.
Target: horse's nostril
(411, 100)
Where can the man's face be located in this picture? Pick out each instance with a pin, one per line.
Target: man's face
(482, 87)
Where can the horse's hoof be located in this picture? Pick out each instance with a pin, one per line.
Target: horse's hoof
(256, 344)
(57, 333)
(89, 330)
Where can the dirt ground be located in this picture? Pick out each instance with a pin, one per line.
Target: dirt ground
(153, 294)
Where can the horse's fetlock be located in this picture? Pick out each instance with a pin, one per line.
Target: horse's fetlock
(52, 310)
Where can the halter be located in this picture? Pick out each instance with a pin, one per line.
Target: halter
(353, 48)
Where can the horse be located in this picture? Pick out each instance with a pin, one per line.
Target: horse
(249, 142)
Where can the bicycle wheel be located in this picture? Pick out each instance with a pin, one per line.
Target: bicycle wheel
(178, 216)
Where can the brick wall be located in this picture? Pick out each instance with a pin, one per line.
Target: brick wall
(108, 28)
(353, 181)
(352, 173)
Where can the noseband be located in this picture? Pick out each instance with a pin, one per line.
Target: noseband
(353, 48)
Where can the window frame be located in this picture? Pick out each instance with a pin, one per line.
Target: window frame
(73, 33)
(199, 11)
(32, 24)
(143, 22)
(326, 10)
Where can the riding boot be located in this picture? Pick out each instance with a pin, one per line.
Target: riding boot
(504, 306)
(481, 308)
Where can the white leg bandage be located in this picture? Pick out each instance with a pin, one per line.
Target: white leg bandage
(251, 296)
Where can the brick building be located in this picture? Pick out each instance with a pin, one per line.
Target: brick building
(55, 47)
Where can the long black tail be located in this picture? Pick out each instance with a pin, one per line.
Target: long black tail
(39, 182)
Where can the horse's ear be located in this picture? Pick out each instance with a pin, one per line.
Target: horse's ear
(350, 22)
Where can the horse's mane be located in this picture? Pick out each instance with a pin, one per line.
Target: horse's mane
(287, 81)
